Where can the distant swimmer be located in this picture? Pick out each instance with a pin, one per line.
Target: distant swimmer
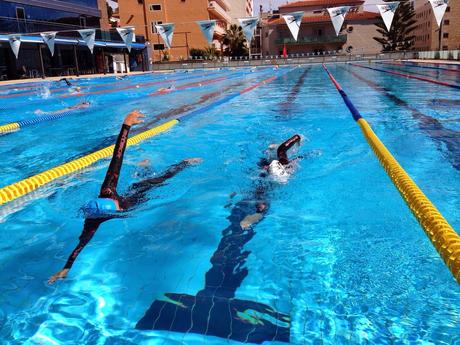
(81, 105)
(121, 77)
(109, 204)
(66, 81)
(281, 168)
(167, 89)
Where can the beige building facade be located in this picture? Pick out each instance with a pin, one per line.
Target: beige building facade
(144, 15)
(240, 9)
(428, 36)
(317, 33)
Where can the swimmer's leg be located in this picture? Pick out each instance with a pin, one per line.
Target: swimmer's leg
(109, 186)
(284, 147)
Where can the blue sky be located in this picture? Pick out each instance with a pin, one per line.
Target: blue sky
(266, 4)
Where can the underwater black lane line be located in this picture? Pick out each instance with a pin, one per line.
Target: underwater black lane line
(431, 126)
(287, 105)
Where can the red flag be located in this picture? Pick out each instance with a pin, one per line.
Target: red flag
(284, 51)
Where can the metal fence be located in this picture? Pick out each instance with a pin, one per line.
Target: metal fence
(296, 59)
(440, 54)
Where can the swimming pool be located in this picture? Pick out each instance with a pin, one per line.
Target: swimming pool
(337, 259)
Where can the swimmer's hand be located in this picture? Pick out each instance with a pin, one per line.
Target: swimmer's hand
(134, 118)
(59, 275)
(193, 161)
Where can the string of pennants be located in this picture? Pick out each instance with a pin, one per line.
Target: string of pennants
(88, 36)
(293, 21)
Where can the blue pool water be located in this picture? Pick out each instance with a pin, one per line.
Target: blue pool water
(337, 259)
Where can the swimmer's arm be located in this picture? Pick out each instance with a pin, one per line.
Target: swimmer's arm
(89, 229)
(250, 220)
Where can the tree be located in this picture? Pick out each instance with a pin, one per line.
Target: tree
(234, 41)
(400, 35)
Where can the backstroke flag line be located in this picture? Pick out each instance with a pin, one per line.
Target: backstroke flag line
(387, 11)
(293, 21)
(127, 34)
(207, 28)
(15, 43)
(89, 36)
(166, 32)
(338, 16)
(48, 38)
(439, 8)
(248, 24)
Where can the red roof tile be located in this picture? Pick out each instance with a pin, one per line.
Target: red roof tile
(326, 18)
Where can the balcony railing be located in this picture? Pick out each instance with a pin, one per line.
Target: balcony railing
(313, 40)
(218, 11)
(224, 4)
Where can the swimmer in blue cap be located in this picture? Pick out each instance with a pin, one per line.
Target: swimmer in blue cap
(109, 204)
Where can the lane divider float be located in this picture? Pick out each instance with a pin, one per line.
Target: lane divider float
(23, 187)
(441, 234)
(411, 65)
(455, 86)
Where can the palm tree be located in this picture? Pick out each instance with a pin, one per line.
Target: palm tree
(400, 35)
(234, 41)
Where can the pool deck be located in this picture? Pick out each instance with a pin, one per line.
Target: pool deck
(435, 62)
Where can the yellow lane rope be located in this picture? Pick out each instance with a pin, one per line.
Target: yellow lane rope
(439, 231)
(30, 184)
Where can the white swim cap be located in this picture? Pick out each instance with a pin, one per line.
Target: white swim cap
(277, 169)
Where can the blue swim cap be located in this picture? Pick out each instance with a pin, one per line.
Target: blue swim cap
(100, 208)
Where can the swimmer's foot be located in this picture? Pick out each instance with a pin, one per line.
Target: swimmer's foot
(59, 275)
(193, 161)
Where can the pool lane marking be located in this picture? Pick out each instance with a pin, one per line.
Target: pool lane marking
(431, 126)
(23, 187)
(404, 64)
(15, 126)
(455, 86)
(441, 234)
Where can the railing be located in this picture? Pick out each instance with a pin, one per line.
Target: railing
(219, 11)
(313, 40)
(440, 54)
(293, 59)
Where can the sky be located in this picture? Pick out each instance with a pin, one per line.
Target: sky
(266, 4)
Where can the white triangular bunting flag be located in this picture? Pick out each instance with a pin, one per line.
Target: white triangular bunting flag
(127, 35)
(293, 21)
(387, 11)
(338, 16)
(248, 25)
(207, 28)
(89, 36)
(166, 32)
(439, 8)
(15, 43)
(48, 38)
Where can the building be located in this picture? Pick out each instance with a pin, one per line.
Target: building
(317, 33)
(427, 34)
(240, 9)
(29, 18)
(184, 14)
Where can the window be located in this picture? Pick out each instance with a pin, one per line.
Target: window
(83, 22)
(446, 21)
(448, 9)
(445, 35)
(160, 46)
(154, 29)
(20, 13)
(155, 7)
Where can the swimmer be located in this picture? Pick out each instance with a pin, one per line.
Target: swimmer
(281, 167)
(82, 105)
(75, 90)
(66, 81)
(167, 89)
(109, 204)
(121, 77)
